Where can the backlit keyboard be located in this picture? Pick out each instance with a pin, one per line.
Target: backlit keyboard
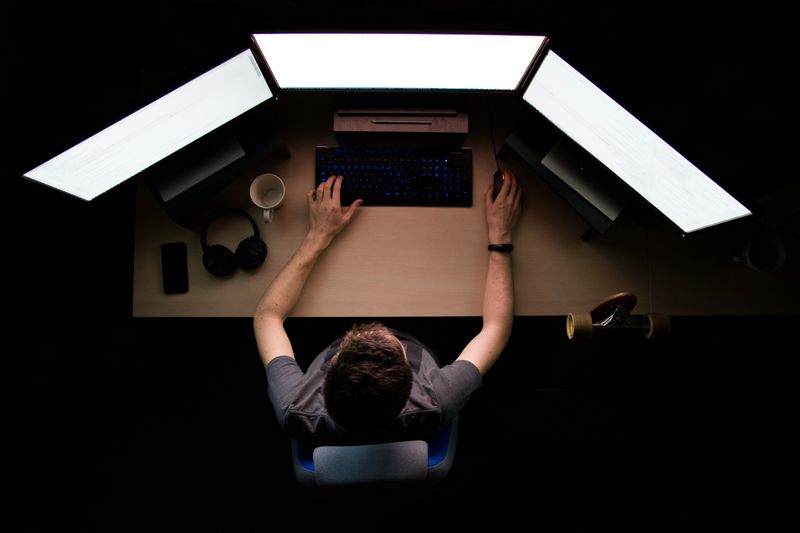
(408, 176)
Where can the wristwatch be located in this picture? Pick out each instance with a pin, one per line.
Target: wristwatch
(501, 247)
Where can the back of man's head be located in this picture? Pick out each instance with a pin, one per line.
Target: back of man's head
(369, 381)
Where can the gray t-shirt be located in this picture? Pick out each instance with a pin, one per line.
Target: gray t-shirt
(437, 395)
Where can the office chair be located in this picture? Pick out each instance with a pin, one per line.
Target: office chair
(405, 461)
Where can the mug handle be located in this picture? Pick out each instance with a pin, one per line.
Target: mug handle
(268, 215)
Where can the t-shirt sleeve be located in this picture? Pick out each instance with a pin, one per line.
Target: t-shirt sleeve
(284, 377)
(453, 385)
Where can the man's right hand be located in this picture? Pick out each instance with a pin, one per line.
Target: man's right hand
(503, 212)
(326, 215)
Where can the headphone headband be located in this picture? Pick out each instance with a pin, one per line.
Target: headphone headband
(220, 260)
(221, 212)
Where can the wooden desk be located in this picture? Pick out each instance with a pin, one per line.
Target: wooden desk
(394, 261)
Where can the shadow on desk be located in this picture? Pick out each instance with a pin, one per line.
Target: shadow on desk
(168, 420)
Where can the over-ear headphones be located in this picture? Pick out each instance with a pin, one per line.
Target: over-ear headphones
(219, 260)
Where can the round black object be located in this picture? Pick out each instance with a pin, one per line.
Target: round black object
(250, 253)
(219, 260)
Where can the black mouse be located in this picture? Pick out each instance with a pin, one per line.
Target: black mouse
(499, 178)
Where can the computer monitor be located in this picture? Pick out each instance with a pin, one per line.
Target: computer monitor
(191, 114)
(399, 88)
(404, 62)
(594, 122)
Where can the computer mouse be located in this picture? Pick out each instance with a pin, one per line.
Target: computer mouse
(499, 178)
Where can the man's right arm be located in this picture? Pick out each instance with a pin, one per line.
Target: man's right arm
(498, 298)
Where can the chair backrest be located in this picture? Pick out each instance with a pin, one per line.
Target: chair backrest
(413, 460)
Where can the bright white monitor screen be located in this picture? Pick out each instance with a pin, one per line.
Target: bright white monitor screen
(380, 61)
(617, 139)
(157, 130)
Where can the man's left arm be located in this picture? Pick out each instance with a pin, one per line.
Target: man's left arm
(327, 219)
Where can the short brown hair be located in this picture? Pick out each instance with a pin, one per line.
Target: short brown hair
(369, 381)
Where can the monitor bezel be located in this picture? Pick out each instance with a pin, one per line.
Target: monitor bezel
(278, 90)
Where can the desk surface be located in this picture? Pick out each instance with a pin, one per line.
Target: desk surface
(415, 261)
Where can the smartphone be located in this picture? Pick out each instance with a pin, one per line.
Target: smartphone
(174, 269)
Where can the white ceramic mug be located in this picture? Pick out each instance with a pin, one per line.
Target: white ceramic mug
(267, 192)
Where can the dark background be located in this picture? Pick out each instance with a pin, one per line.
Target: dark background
(121, 423)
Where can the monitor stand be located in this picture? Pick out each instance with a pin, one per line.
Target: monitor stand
(184, 182)
(592, 191)
(401, 119)
(196, 163)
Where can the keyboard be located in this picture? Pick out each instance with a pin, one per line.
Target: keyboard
(407, 176)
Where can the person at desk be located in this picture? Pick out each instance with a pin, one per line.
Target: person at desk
(375, 384)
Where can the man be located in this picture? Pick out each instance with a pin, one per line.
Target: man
(375, 384)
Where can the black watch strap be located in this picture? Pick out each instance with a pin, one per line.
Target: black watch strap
(501, 247)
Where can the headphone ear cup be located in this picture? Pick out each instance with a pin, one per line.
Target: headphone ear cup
(250, 253)
(218, 260)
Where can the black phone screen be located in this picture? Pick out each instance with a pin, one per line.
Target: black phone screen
(174, 269)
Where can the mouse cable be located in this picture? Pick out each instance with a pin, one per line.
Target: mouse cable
(491, 132)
